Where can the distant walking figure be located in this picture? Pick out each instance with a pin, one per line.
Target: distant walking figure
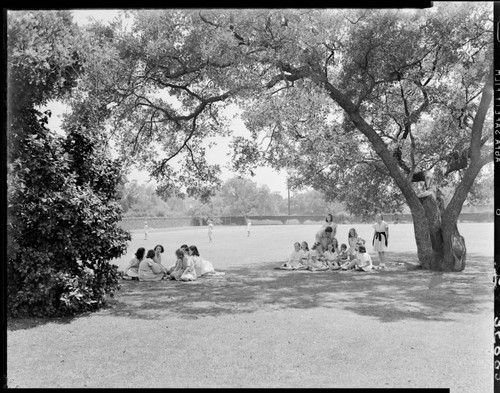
(249, 224)
(210, 230)
(146, 230)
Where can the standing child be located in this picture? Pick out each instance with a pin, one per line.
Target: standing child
(380, 238)
(146, 228)
(249, 224)
(352, 239)
(210, 230)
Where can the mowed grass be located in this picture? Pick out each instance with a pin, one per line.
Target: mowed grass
(265, 328)
(231, 247)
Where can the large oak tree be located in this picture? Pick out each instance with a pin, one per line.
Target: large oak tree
(378, 107)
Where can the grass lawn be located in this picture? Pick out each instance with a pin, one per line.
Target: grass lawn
(260, 327)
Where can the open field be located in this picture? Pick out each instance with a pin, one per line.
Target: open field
(274, 243)
(259, 327)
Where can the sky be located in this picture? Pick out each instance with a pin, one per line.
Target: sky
(276, 181)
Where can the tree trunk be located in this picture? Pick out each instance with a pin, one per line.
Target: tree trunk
(448, 246)
(423, 236)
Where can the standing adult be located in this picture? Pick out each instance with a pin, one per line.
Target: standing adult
(249, 224)
(380, 238)
(325, 236)
(146, 229)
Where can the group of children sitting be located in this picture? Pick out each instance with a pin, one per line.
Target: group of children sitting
(188, 265)
(319, 259)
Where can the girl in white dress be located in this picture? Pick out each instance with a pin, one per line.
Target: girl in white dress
(201, 266)
(184, 267)
(331, 257)
(305, 256)
(210, 230)
(295, 259)
(380, 238)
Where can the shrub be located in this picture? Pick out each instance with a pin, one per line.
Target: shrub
(63, 223)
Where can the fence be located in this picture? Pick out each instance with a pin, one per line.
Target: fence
(135, 223)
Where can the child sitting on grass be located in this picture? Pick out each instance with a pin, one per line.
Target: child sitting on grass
(331, 257)
(317, 261)
(149, 270)
(343, 256)
(295, 259)
(306, 254)
(132, 269)
(184, 267)
(364, 261)
(361, 262)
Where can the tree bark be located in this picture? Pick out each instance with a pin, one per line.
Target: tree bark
(448, 246)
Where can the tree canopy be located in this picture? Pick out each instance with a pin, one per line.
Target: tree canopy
(415, 76)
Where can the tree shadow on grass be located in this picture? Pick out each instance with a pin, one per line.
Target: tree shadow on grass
(401, 292)
(398, 293)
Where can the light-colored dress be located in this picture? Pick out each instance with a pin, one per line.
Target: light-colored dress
(184, 270)
(352, 244)
(157, 259)
(364, 262)
(305, 257)
(380, 236)
(330, 256)
(296, 258)
(149, 270)
(132, 270)
(202, 266)
(316, 260)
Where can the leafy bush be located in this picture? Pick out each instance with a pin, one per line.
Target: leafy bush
(63, 224)
(62, 191)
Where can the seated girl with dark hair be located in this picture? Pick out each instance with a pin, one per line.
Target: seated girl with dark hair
(131, 272)
(202, 266)
(149, 270)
